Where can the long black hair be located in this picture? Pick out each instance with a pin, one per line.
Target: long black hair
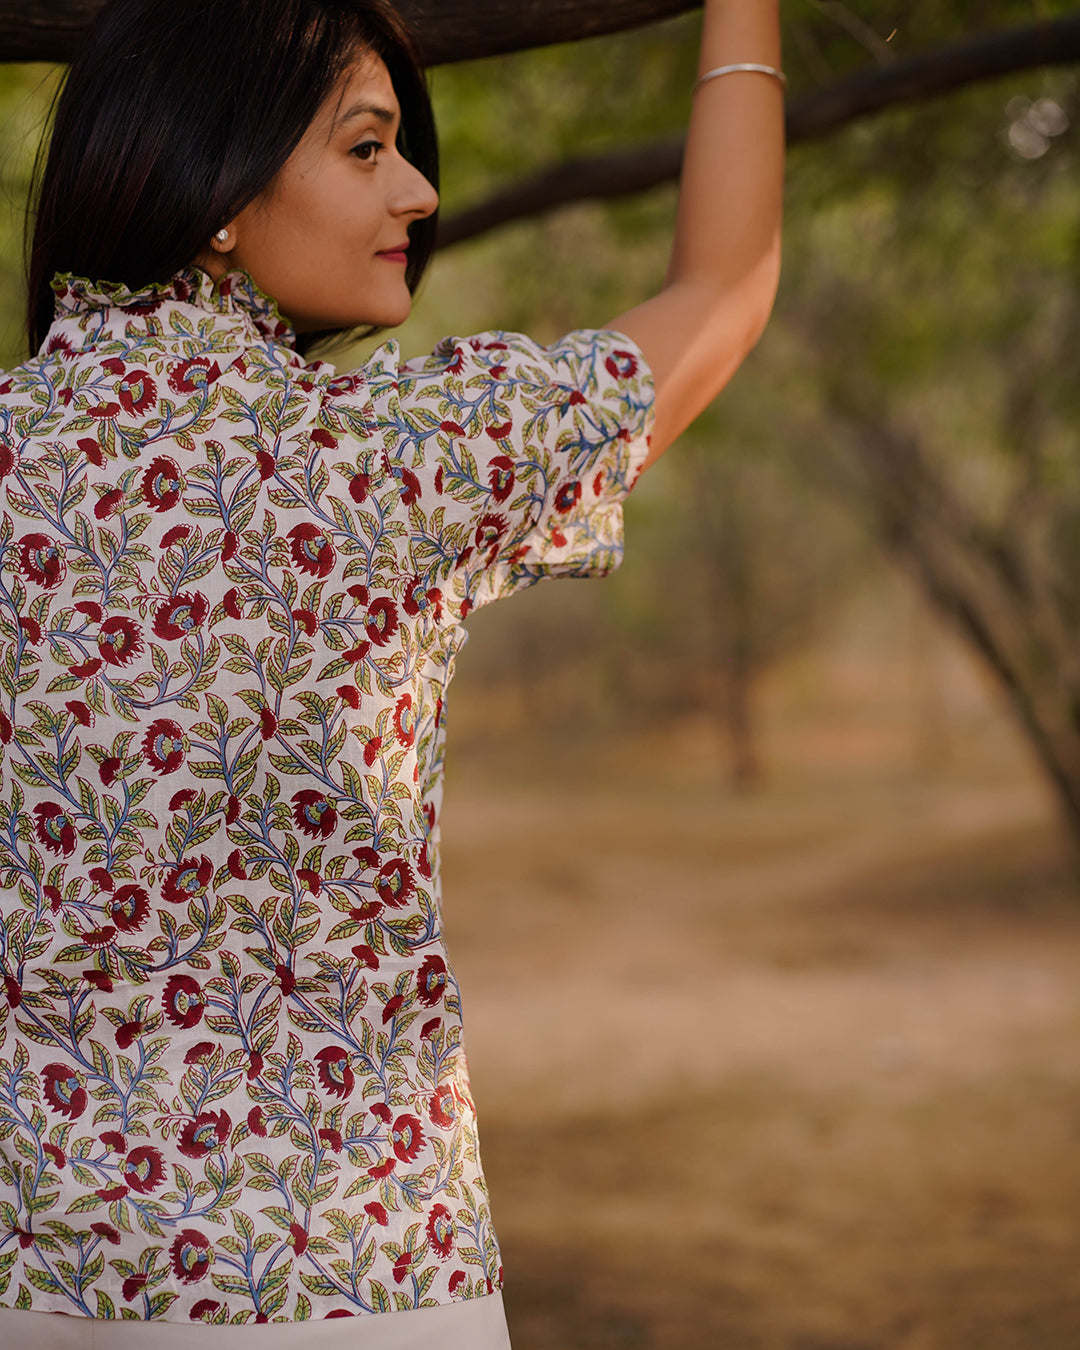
(178, 113)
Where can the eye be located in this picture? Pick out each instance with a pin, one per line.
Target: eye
(374, 146)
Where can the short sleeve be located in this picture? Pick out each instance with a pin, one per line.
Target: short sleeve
(513, 458)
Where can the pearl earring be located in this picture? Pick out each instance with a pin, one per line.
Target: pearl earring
(222, 236)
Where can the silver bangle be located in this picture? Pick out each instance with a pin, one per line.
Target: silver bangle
(743, 65)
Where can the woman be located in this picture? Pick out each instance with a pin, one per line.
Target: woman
(232, 586)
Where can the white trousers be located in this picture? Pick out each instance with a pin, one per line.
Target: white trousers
(474, 1324)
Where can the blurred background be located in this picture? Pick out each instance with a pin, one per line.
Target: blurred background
(761, 855)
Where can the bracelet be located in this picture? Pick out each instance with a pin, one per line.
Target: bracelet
(743, 65)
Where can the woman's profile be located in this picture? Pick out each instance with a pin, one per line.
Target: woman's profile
(232, 586)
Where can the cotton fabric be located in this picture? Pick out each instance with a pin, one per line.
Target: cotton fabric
(233, 1086)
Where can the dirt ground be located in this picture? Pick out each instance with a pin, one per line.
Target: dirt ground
(793, 1071)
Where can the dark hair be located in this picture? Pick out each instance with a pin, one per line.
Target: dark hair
(174, 116)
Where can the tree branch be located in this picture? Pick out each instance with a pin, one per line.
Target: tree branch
(449, 30)
(912, 79)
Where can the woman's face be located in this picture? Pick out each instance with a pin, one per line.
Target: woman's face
(316, 240)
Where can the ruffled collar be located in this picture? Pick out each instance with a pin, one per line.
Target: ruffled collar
(235, 293)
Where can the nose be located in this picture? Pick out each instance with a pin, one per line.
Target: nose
(415, 195)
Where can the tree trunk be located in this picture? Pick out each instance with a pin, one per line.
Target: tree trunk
(449, 30)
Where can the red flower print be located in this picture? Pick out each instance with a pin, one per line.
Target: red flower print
(104, 411)
(324, 438)
(255, 1122)
(285, 978)
(349, 694)
(231, 603)
(255, 1064)
(410, 487)
(205, 1133)
(163, 745)
(382, 1169)
(357, 653)
(440, 1231)
(107, 1231)
(366, 956)
(334, 1072)
(307, 620)
(81, 713)
(102, 878)
(431, 981)
(62, 1090)
(501, 477)
(204, 1306)
(332, 1138)
(405, 720)
(144, 1169)
(187, 880)
(267, 464)
(176, 535)
(622, 365)
(131, 1286)
(236, 865)
(31, 628)
(201, 1050)
(136, 392)
(120, 640)
(7, 460)
(85, 669)
(12, 991)
(107, 503)
(232, 809)
(393, 1007)
(129, 908)
(41, 560)
(500, 433)
(100, 979)
(312, 550)
(92, 450)
(162, 485)
(229, 545)
(126, 1033)
(382, 622)
(359, 487)
(394, 883)
(179, 616)
(183, 1001)
(6, 729)
(455, 1282)
(108, 768)
(377, 1213)
(567, 497)
(181, 798)
(311, 879)
(489, 531)
(406, 1138)
(576, 397)
(91, 609)
(402, 1266)
(314, 814)
(112, 1192)
(442, 1108)
(299, 1238)
(191, 1255)
(54, 828)
(268, 724)
(197, 373)
(99, 937)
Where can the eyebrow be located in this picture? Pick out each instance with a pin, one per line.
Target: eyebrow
(383, 114)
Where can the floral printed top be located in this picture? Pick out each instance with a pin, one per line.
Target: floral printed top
(232, 1083)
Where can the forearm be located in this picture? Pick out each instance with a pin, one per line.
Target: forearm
(731, 190)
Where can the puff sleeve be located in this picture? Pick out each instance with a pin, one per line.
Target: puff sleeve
(513, 458)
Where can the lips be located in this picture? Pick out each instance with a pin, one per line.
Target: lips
(401, 249)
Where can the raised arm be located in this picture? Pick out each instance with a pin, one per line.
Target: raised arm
(725, 260)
